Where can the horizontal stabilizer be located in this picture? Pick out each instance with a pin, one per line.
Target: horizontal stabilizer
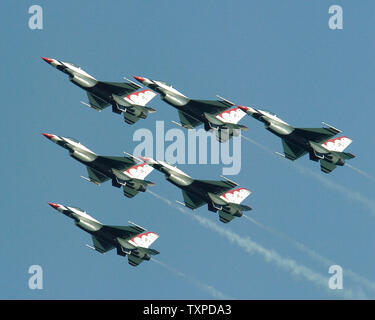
(347, 155)
(133, 260)
(152, 252)
(326, 166)
(129, 118)
(129, 192)
(241, 207)
(225, 217)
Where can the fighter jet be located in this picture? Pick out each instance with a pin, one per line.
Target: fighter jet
(221, 115)
(101, 94)
(219, 195)
(297, 142)
(123, 171)
(133, 241)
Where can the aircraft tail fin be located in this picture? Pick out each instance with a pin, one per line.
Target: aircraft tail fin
(144, 240)
(133, 260)
(337, 144)
(235, 196)
(141, 98)
(225, 217)
(233, 115)
(139, 171)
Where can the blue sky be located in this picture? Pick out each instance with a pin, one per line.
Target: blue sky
(275, 55)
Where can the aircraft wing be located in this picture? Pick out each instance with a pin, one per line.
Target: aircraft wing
(209, 106)
(293, 152)
(101, 245)
(119, 163)
(317, 135)
(117, 88)
(213, 186)
(97, 103)
(192, 201)
(96, 176)
(326, 166)
(123, 232)
(188, 121)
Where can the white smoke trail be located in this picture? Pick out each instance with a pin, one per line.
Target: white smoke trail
(259, 145)
(269, 255)
(314, 255)
(349, 194)
(361, 172)
(216, 294)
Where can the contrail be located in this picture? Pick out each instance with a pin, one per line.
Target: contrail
(269, 255)
(314, 255)
(259, 145)
(361, 172)
(203, 286)
(352, 195)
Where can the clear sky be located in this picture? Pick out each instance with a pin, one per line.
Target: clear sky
(276, 55)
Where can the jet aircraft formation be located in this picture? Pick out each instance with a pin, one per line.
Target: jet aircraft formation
(129, 172)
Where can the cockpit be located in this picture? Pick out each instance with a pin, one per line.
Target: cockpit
(271, 113)
(79, 209)
(165, 83)
(73, 65)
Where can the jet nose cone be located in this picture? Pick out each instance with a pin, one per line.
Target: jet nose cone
(243, 108)
(140, 79)
(48, 60)
(54, 205)
(48, 135)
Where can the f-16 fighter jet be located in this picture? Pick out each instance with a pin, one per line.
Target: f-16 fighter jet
(220, 115)
(133, 241)
(297, 142)
(123, 171)
(219, 195)
(101, 94)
